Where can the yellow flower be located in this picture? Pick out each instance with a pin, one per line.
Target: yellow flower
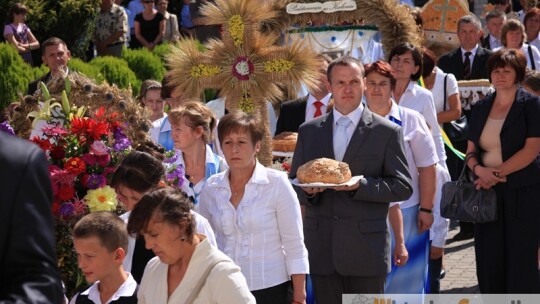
(101, 199)
(246, 105)
(278, 65)
(202, 70)
(236, 28)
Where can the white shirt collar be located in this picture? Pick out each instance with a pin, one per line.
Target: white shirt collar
(473, 52)
(394, 111)
(127, 289)
(325, 100)
(354, 116)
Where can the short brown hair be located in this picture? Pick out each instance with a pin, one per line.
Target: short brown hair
(238, 121)
(514, 59)
(51, 41)
(405, 47)
(512, 25)
(169, 205)
(384, 69)
(106, 226)
(532, 80)
(430, 61)
(344, 61)
(196, 114)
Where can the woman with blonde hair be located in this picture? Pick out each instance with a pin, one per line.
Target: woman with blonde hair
(192, 125)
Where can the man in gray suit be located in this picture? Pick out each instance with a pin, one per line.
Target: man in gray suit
(345, 227)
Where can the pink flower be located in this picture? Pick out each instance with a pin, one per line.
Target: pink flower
(98, 147)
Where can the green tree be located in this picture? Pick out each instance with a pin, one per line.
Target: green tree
(116, 71)
(15, 76)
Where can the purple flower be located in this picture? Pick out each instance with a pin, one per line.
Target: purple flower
(4, 126)
(121, 144)
(67, 209)
(175, 175)
(96, 181)
(171, 156)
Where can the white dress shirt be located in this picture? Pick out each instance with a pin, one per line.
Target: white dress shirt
(264, 234)
(127, 289)
(421, 100)
(438, 89)
(471, 56)
(311, 109)
(354, 116)
(419, 146)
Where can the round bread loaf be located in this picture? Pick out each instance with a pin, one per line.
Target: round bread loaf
(324, 170)
(285, 142)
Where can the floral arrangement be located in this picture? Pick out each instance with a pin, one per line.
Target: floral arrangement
(236, 28)
(242, 68)
(278, 65)
(82, 153)
(202, 70)
(174, 173)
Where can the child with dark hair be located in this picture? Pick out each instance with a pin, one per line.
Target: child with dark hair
(101, 240)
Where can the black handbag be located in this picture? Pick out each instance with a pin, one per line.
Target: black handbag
(461, 201)
(455, 130)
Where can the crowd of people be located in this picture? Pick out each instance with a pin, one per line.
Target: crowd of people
(238, 232)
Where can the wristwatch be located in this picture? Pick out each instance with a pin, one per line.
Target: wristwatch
(426, 210)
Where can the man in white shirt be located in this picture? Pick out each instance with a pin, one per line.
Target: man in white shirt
(295, 112)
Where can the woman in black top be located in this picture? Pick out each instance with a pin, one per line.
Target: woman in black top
(149, 27)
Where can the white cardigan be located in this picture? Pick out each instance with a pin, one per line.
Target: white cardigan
(225, 283)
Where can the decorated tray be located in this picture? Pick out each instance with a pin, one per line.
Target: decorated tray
(282, 154)
(351, 182)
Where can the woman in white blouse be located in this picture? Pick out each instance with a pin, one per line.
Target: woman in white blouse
(255, 214)
(406, 61)
(513, 36)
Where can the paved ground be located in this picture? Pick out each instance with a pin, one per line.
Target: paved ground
(460, 267)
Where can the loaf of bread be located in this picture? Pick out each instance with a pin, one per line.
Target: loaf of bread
(285, 142)
(324, 170)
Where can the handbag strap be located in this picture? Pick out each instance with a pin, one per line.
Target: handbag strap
(444, 104)
(461, 177)
(202, 280)
(531, 57)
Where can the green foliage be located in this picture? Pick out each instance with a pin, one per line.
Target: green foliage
(145, 64)
(39, 71)
(116, 71)
(70, 20)
(15, 76)
(91, 71)
(161, 50)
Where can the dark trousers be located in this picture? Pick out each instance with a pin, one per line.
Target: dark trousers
(507, 249)
(279, 294)
(329, 289)
(434, 275)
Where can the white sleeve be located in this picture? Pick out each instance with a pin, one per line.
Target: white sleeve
(421, 143)
(202, 226)
(451, 85)
(289, 221)
(439, 229)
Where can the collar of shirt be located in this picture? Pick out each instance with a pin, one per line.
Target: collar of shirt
(126, 290)
(259, 176)
(212, 162)
(394, 113)
(494, 42)
(473, 52)
(354, 116)
(325, 100)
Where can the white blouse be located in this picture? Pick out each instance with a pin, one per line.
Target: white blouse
(263, 235)
(421, 100)
(438, 89)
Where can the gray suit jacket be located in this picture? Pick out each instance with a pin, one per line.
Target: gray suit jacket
(347, 231)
